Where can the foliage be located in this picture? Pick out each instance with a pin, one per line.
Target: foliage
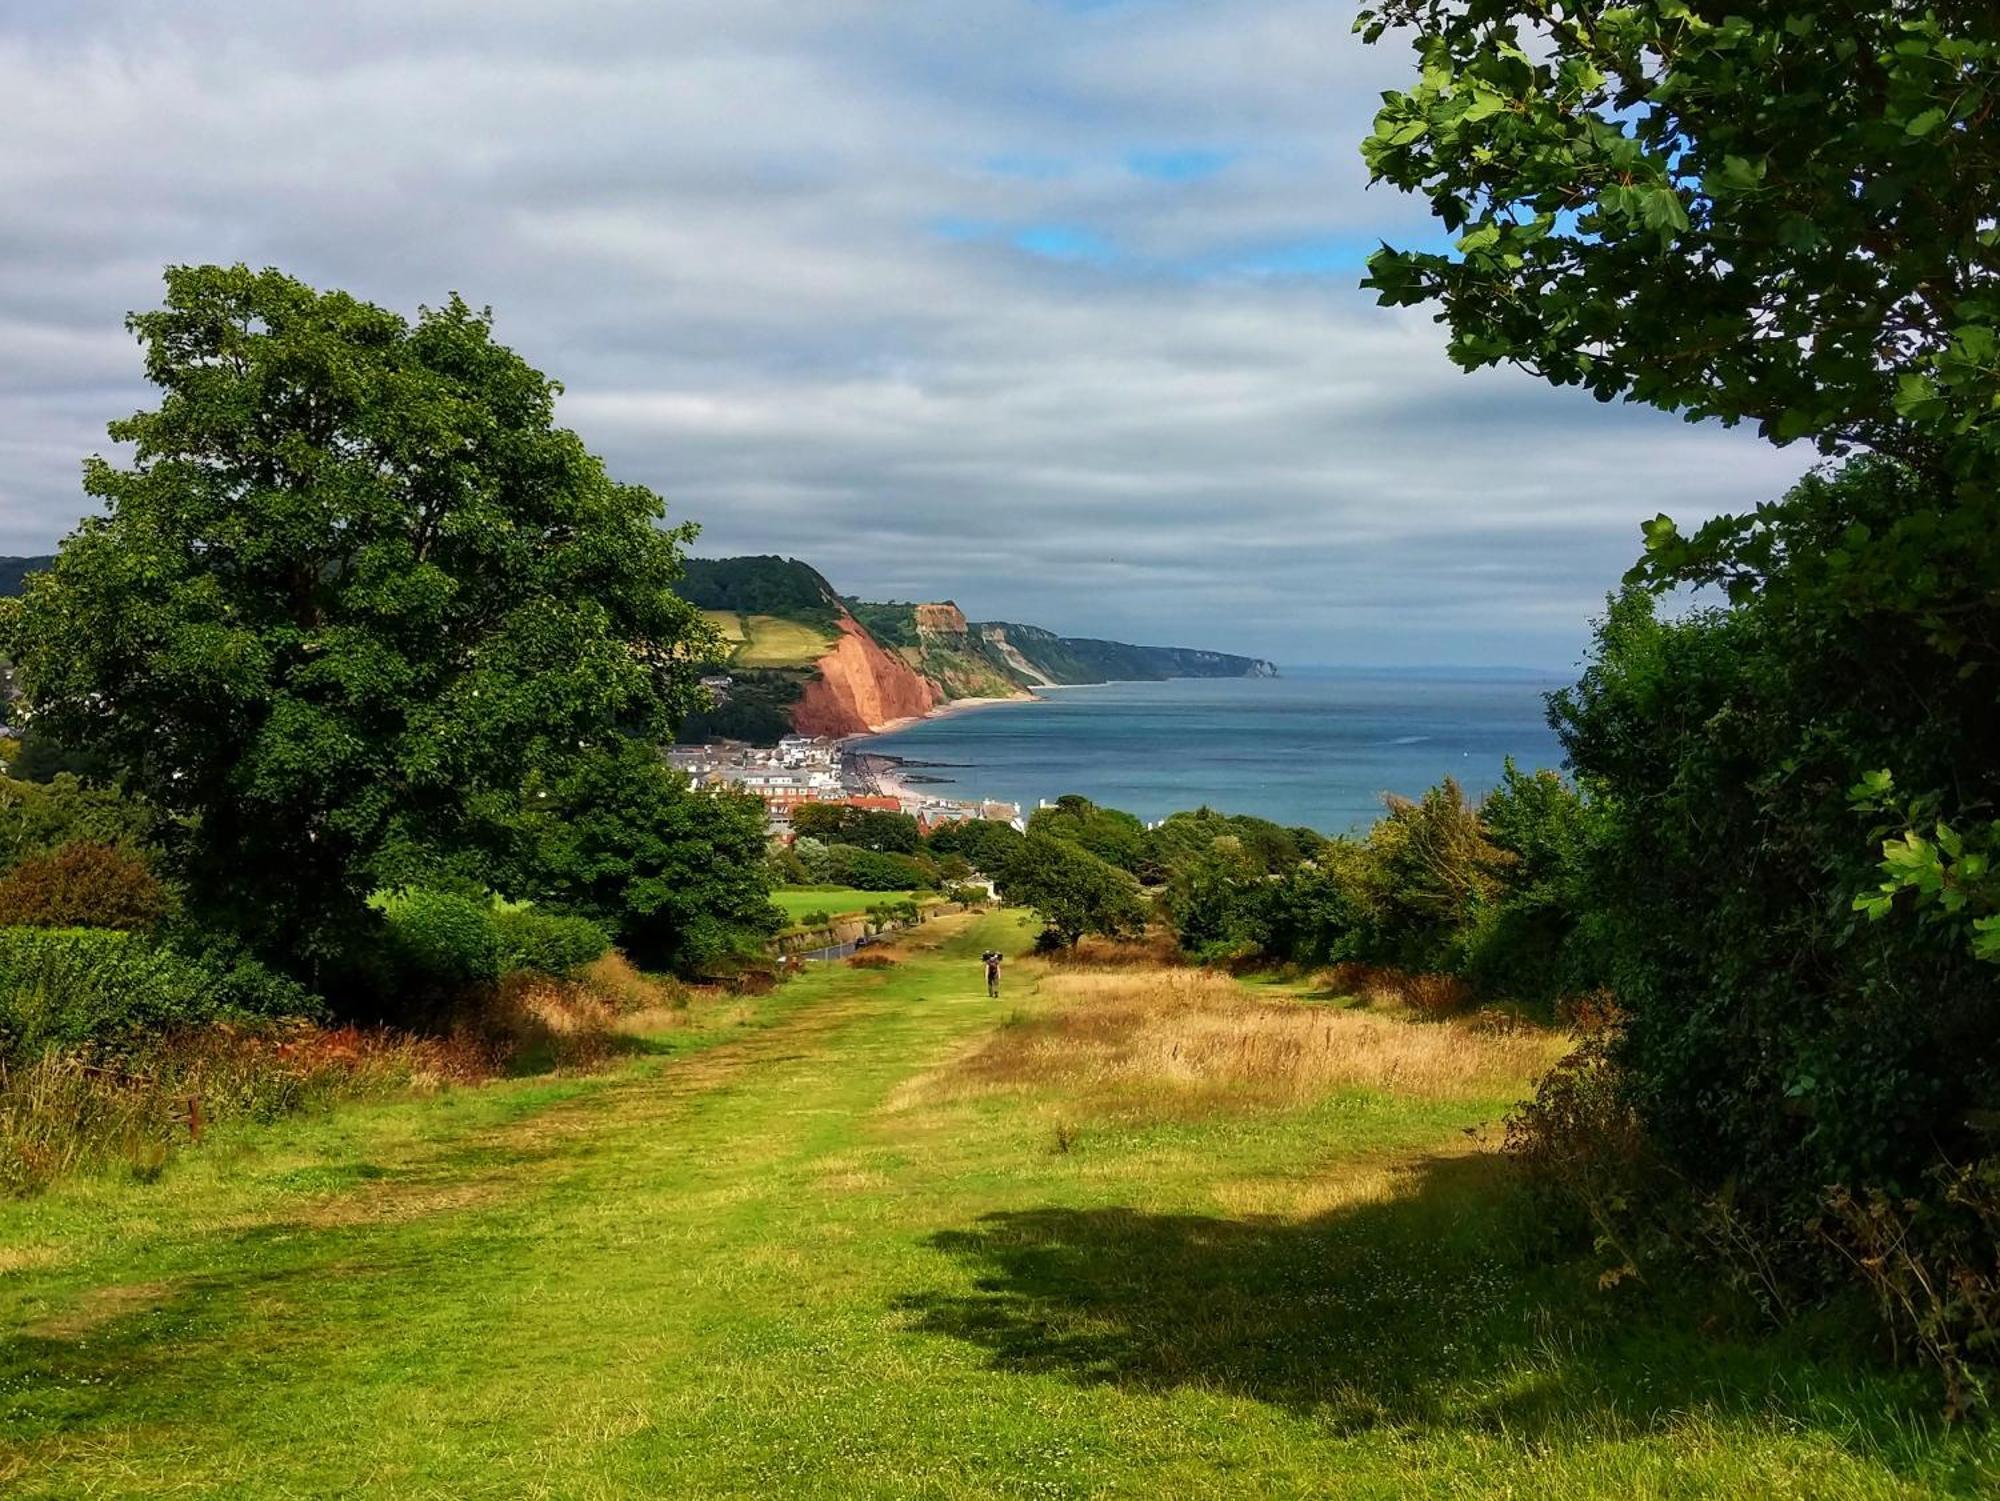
(675, 873)
(812, 854)
(36, 817)
(1932, 1264)
(548, 943)
(1113, 836)
(766, 585)
(354, 588)
(1209, 895)
(868, 828)
(785, 867)
(1072, 891)
(62, 987)
(1775, 214)
(1271, 847)
(39, 758)
(894, 914)
(1774, 1038)
(984, 843)
(1783, 216)
(82, 884)
(873, 870)
(442, 943)
(756, 707)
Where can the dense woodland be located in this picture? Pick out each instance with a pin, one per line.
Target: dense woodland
(349, 702)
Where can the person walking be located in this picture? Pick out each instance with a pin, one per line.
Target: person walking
(992, 957)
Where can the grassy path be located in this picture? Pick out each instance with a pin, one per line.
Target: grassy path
(791, 1265)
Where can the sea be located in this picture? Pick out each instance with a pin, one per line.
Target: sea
(1314, 746)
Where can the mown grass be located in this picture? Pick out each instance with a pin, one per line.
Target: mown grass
(836, 901)
(766, 641)
(874, 1236)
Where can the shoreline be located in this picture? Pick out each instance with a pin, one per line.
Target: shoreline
(940, 711)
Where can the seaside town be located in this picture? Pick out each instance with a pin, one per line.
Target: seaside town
(813, 769)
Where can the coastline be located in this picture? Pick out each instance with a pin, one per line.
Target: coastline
(941, 711)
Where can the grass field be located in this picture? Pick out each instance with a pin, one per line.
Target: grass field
(1134, 1233)
(766, 641)
(838, 901)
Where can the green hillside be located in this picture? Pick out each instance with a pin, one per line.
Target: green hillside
(1083, 659)
(763, 585)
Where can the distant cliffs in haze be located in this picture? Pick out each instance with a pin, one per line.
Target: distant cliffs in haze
(806, 658)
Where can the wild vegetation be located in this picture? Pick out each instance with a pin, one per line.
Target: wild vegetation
(345, 711)
(1782, 216)
(875, 1235)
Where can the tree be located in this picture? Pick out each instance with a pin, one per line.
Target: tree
(1208, 896)
(1112, 835)
(1072, 891)
(675, 872)
(866, 828)
(986, 843)
(354, 588)
(1774, 213)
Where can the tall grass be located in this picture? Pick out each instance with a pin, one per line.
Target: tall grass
(91, 1109)
(1194, 1036)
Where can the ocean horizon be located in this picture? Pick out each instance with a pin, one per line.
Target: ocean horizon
(1315, 746)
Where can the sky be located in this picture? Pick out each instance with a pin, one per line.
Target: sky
(1046, 306)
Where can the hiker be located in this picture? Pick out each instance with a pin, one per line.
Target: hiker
(992, 957)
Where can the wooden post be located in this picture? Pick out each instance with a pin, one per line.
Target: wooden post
(194, 1116)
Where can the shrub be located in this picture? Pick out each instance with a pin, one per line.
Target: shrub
(62, 987)
(870, 870)
(441, 942)
(547, 943)
(84, 884)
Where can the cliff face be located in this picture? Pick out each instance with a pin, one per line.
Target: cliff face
(860, 687)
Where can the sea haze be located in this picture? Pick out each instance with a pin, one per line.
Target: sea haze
(1317, 746)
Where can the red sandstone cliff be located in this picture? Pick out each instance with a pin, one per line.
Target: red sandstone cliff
(860, 687)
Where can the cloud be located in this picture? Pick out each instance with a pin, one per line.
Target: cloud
(1045, 307)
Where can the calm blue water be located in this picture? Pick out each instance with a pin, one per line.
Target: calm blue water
(1315, 747)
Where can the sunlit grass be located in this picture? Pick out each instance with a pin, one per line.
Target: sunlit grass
(761, 1261)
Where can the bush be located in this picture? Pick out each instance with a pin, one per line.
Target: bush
(84, 884)
(547, 943)
(442, 943)
(870, 870)
(63, 987)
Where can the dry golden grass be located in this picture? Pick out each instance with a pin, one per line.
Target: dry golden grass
(1195, 1036)
(622, 986)
(1157, 950)
(1385, 985)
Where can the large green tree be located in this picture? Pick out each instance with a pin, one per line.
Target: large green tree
(1779, 212)
(1072, 891)
(353, 587)
(1786, 214)
(677, 873)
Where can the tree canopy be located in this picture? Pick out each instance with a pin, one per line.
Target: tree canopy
(1781, 213)
(352, 589)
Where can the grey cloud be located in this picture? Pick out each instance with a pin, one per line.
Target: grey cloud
(720, 227)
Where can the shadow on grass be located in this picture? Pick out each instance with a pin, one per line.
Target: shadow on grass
(1444, 1307)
